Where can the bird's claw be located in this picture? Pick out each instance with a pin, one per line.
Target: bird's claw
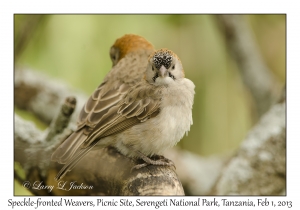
(162, 161)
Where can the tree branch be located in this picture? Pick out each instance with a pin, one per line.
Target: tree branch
(259, 167)
(101, 172)
(42, 96)
(197, 174)
(255, 74)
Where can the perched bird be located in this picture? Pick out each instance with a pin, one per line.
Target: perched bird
(140, 121)
(129, 55)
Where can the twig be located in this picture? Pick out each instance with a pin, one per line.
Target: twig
(63, 118)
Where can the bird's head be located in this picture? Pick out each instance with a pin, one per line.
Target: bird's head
(127, 44)
(164, 67)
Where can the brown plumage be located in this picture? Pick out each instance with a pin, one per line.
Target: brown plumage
(129, 55)
(139, 117)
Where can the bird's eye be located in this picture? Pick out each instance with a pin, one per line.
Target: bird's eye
(173, 67)
(113, 57)
(152, 68)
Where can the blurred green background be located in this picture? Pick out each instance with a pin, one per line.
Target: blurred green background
(75, 49)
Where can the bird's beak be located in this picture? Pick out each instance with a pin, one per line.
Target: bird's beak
(163, 72)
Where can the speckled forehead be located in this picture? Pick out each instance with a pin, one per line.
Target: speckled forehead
(163, 58)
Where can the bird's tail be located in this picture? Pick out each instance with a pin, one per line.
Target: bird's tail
(69, 147)
(73, 161)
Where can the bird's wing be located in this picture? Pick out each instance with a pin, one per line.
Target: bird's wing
(140, 104)
(97, 106)
(100, 103)
(107, 115)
